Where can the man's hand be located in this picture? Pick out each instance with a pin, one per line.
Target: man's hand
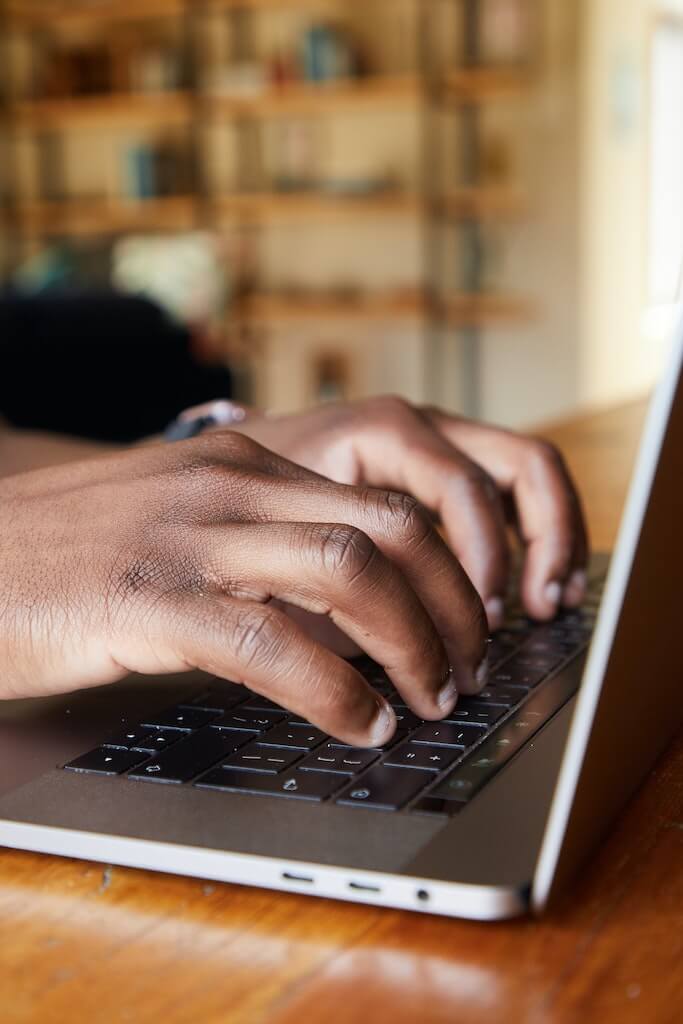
(166, 558)
(476, 479)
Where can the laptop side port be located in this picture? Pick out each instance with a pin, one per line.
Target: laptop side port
(361, 887)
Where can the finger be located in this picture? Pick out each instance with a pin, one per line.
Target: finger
(259, 646)
(548, 509)
(403, 531)
(337, 570)
(404, 452)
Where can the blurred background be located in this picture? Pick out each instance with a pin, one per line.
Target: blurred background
(472, 202)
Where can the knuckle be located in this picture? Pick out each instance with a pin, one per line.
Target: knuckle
(212, 452)
(405, 518)
(347, 553)
(258, 636)
(237, 446)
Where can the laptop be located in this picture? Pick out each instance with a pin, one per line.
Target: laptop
(485, 815)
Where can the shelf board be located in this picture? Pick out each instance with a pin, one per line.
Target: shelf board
(270, 309)
(312, 98)
(268, 5)
(483, 202)
(276, 207)
(105, 110)
(486, 309)
(479, 84)
(458, 310)
(176, 107)
(83, 218)
(38, 13)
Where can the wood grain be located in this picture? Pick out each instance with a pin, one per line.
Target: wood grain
(80, 942)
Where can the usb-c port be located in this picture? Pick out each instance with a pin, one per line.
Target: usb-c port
(290, 877)
(359, 887)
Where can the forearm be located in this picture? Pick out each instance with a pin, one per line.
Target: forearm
(24, 450)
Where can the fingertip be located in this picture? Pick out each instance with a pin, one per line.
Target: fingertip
(542, 600)
(383, 725)
(574, 592)
(447, 697)
(476, 682)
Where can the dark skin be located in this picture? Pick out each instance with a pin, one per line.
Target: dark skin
(215, 554)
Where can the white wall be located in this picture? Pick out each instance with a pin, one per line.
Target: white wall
(618, 356)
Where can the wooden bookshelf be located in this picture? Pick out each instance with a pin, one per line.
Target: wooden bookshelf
(460, 92)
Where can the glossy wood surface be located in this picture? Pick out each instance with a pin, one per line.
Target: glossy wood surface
(81, 942)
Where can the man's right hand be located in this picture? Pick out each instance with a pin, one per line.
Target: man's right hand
(168, 558)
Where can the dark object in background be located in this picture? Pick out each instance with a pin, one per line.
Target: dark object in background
(97, 365)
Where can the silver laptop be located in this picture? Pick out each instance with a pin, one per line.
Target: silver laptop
(485, 815)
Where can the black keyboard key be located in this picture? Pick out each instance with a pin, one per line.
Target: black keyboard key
(183, 717)
(159, 739)
(249, 721)
(315, 786)
(524, 677)
(298, 737)
(445, 735)
(422, 757)
(383, 788)
(502, 694)
(341, 760)
(257, 758)
(501, 646)
(470, 712)
(221, 699)
(404, 716)
(191, 756)
(129, 738)
(256, 703)
(107, 761)
(537, 647)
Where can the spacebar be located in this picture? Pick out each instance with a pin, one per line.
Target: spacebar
(470, 775)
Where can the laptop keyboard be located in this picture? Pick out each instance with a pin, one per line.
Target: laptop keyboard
(227, 738)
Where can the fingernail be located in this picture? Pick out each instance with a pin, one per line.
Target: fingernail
(495, 612)
(575, 589)
(553, 593)
(448, 694)
(384, 724)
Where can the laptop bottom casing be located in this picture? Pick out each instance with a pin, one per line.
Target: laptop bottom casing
(477, 864)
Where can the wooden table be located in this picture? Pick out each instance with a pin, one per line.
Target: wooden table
(86, 943)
